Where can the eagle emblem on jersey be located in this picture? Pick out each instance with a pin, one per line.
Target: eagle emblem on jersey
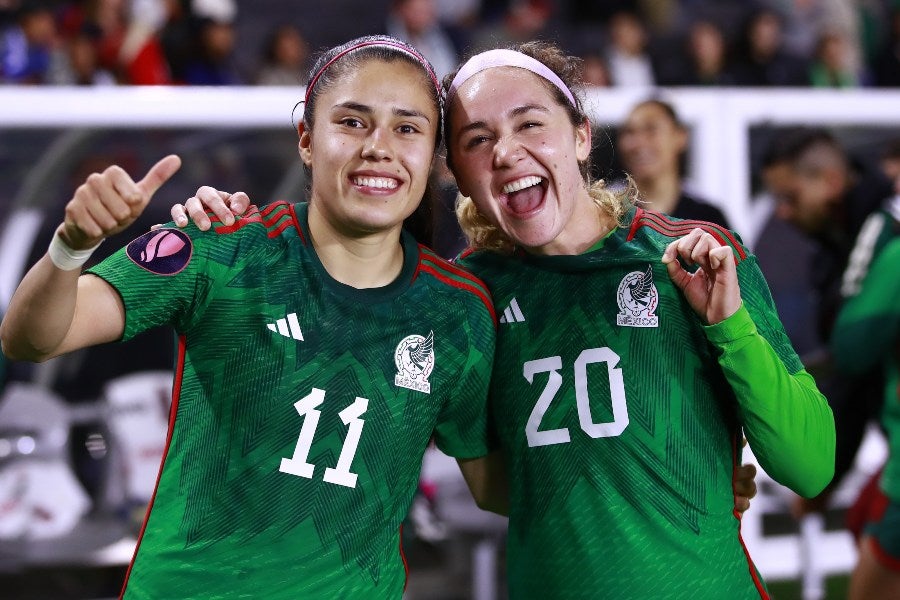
(638, 299)
(414, 358)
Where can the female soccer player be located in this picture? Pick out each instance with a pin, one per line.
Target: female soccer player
(622, 380)
(320, 348)
(866, 334)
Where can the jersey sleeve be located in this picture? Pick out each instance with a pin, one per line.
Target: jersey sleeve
(786, 419)
(462, 430)
(868, 326)
(160, 278)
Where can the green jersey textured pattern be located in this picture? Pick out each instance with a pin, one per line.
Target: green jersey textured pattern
(622, 428)
(302, 409)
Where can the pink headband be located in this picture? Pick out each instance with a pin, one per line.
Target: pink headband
(375, 42)
(506, 58)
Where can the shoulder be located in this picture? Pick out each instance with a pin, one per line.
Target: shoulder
(272, 221)
(456, 278)
(661, 229)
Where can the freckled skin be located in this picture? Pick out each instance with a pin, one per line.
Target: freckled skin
(522, 131)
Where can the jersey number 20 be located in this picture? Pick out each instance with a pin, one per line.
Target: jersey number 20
(340, 474)
(552, 365)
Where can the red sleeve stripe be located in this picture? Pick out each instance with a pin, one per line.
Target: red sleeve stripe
(173, 410)
(478, 291)
(274, 206)
(754, 575)
(660, 223)
(297, 224)
(428, 255)
(251, 216)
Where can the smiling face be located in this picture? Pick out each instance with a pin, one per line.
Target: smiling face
(516, 153)
(371, 147)
(651, 143)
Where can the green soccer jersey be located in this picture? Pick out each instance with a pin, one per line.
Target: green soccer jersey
(302, 408)
(621, 416)
(866, 333)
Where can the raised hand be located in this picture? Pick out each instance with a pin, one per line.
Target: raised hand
(224, 205)
(108, 202)
(712, 290)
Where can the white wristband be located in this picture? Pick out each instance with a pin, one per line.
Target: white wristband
(66, 258)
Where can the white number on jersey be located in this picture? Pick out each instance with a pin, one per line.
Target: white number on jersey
(340, 474)
(552, 365)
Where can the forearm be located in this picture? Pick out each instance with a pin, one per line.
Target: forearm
(786, 419)
(55, 311)
(40, 313)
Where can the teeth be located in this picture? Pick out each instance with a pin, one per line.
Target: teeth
(376, 182)
(521, 184)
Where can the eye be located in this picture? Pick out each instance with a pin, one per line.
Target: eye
(475, 140)
(408, 128)
(530, 125)
(351, 122)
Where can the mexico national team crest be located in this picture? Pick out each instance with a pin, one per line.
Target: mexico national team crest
(638, 299)
(414, 358)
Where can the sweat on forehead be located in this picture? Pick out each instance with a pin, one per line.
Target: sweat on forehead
(507, 58)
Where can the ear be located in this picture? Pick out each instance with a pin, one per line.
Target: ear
(583, 141)
(305, 144)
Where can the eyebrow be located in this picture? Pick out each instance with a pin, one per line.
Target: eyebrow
(399, 112)
(517, 111)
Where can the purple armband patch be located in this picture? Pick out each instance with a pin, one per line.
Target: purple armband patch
(162, 251)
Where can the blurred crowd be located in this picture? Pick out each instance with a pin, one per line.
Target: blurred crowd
(805, 43)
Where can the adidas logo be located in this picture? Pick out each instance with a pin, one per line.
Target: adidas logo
(512, 314)
(288, 327)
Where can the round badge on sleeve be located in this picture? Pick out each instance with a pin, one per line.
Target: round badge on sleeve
(162, 251)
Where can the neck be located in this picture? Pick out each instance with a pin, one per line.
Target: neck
(661, 193)
(587, 226)
(360, 261)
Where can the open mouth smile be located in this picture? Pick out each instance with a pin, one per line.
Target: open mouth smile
(523, 196)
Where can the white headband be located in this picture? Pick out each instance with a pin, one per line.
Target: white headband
(506, 58)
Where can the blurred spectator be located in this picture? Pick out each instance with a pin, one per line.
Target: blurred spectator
(762, 58)
(522, 20)
(706, 60)
(831, 65)
(886, 64)
(125, 37)
(416, 22)
(284, 57)
(824, 194)
(27, 47)
(82, 66)
(630, 64)
(653, 145)
(595, 70)
(212, 62)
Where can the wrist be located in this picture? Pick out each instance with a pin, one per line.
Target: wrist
(64, 256)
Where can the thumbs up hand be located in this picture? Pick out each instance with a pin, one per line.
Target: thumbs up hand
(108, 202)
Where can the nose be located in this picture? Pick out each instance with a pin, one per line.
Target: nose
(377, 146)
(507, 151)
